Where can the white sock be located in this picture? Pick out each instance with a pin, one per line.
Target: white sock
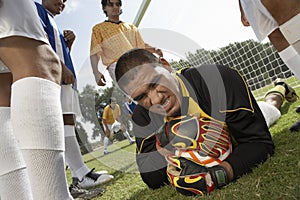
(292, 59)
(73, 154)
(14, 181)
(47, 178)
(270, 112)
(105, 143)
(126, 134)
(38, 126)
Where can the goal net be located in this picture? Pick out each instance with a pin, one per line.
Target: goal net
(259, 63)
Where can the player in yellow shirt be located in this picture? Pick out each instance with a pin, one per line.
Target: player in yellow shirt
(111, 38)
(112, 122)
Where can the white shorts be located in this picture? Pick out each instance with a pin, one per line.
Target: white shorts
(261, 21)
(70, 101)
(114, 128)
(270, 112)
(109, 126)
(20, 18)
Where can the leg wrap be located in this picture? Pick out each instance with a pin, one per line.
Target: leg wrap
(36, 114)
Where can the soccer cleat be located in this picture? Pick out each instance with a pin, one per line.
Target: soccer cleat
(132, 142)
(290, 94)
(295, 126)
(83, 194)
(92, 179)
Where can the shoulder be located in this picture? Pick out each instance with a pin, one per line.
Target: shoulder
(207, 70)
(129, 25)
(99, 25)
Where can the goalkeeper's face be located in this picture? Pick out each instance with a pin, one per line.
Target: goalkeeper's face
(154, 88)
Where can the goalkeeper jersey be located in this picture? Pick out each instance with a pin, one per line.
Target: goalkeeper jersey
(220, 92)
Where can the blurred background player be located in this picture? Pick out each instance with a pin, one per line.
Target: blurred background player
(128, 107)
(112, 123)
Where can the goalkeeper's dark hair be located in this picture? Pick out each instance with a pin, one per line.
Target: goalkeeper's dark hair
(132, 59)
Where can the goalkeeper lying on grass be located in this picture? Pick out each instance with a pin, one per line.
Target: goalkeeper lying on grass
(198, 129)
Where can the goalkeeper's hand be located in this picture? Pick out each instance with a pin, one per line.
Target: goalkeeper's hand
(191, 178)
(188, 177)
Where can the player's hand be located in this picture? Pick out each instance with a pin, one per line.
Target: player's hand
(67, 76)
(188, 177)
(159, 52)
(69, 37)
(107, 133)
(100, 79)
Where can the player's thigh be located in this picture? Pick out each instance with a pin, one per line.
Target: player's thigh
(5, 88)
(282, 10)
(27, 57)
(278, 40)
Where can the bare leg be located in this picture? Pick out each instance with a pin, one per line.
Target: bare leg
(282, 11)
(274, 100)
(5, 88)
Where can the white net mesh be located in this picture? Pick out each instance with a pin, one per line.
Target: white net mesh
(259, 63)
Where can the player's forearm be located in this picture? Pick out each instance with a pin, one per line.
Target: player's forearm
(94, 62)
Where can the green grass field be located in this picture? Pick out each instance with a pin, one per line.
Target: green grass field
(278, 178)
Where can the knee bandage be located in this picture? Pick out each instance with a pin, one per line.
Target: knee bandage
(270, 112)
(290, 29)
(10, 156)
(292, 59)
(36, 114)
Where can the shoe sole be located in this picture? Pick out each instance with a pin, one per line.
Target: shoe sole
(102, 181)
(91, 194)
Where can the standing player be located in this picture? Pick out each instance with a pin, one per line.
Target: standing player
(111, 117)
(111, 38)
(30, 108)
(83, 177)
(280, 21)
(128, 107)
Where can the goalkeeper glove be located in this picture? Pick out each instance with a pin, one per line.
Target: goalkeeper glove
(191, 178)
